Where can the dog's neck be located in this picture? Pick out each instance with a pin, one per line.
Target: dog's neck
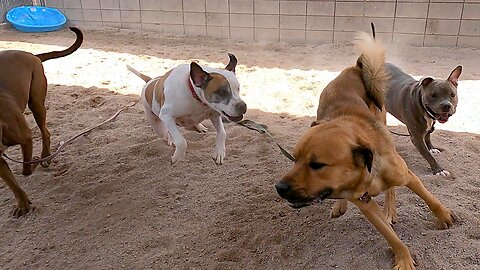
(194, 94)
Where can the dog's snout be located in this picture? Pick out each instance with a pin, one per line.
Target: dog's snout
(241, 107)
(446, 107)
(283, 188)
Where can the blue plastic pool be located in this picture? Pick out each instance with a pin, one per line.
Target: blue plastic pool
(36, 19)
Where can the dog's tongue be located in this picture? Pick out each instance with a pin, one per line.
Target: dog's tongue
(442, 118)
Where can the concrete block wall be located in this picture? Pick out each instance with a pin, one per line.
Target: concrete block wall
(417, 22)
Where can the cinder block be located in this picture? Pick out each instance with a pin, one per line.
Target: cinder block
(382, 25)
(74, 14)
(344, 36)
(218, 31)
(217, 6)
(241, 33)
(319, 23)
(194, 5)
(195, 30)
(93, 24)
(320, 8)
(442, 27)
(110, 15)
(154, 5)
(130, 4)
(351, 24)
(112, 24)
(445, 10)
(471, 11)
(440, 41)
(171, 5)
(92, 15)
(175, 29)
(152, 27)
(241, 20)
(267, 21)
(380, 9)
(470, 28)
(293, 36)
(450, 1)
(130, 16)
(412, 39)
(91, 4)
(262, 34)
(75, 23)
(293, 7)
(266, 7)
(172, 17)
(409, 26)
(416, 1)
(71, 4)
(109, 4)
(127, 25)
(292, 22)
(150, 17)
(412, 10)
(191, 18)
(349, 9)
(217, 19)
(55, 3)
(319, 37)
(468, 41)
(241, 6)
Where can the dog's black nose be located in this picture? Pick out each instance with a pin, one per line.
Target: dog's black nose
(283, 188)
(241, 107)
(446, 107)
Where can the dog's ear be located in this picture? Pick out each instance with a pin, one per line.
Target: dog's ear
(232, 63)
(454, 75)
(314, 123)
(363, 157)
(426, 81)
(199, 77)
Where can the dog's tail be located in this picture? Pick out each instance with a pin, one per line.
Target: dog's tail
(139, 74)
(372, 62)
(57, 54)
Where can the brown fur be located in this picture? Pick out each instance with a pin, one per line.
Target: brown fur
(22, 82)
(348, 154)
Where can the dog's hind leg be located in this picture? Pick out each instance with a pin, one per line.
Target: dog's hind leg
(36, 103)
(23, 203)
(390, 208)
(157, 125)
(339, 208)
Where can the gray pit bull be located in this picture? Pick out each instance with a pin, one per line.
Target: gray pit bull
(419, 104)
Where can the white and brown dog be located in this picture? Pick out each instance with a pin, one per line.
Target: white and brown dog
(187, 95)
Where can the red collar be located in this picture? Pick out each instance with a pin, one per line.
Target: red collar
(194, 94)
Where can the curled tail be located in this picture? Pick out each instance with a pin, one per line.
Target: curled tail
(56, 54)
(139, 74)
(372, 62)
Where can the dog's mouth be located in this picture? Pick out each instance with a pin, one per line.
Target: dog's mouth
(233, 118)
(310, 201)
(440, 117)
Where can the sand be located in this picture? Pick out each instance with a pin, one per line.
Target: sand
(112, 200)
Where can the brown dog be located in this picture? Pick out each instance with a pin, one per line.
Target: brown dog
(22, 82)
(349, 154)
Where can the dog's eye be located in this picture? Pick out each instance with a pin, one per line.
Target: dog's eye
(452, 95)
(434, 95)
(316, 165)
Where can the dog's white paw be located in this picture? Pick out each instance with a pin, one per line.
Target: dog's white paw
(201, 128)
(218, 154)
(443, 173)
(177, 156)
(435, 151)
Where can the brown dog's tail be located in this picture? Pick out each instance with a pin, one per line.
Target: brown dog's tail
(372, 62)
(139, 74)
(57, 54)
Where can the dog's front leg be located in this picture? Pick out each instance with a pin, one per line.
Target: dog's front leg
(419, 142)
(178, 139)
(371, 210)
(219, 149)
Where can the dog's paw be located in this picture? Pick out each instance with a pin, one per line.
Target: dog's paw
(218, 154)
(443, 173)
(445, 217)
(22, 209)
(338, 209)
(177, 156)
(201, 128)
(391, 216)
(406, 263)
(435, 151)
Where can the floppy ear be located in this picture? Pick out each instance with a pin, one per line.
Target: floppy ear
(426, 81)
(232, 64)
(454, 75)
(363, 156)
(199, 77)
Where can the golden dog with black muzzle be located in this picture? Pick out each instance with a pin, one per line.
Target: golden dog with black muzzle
(349, 154)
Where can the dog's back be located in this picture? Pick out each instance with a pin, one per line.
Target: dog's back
(358, 90)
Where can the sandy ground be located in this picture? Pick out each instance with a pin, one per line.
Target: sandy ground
(112, 200)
